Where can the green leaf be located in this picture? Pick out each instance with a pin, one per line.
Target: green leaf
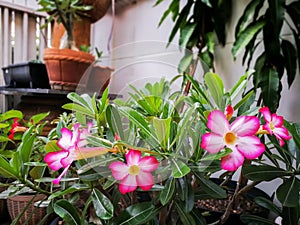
(167, 193)
(162, 130)
(103, 207)
(211, 188)
(38, 117)
(136, 214)
(263, 172)
(114, 121)
(270, 88)
(255, 220)
(67, 211)
(290, 60)
(215, 86)
(288, 192)
(248, 16)
(185, 217)
(179, 168)
(290, 215)
(69, 190)
(246, 36)
(7, 169)
(240, 85)
(266, 203)
(186, 34)
(11, 114)
(78, 108)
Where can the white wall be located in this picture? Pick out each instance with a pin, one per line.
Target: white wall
(139, 23)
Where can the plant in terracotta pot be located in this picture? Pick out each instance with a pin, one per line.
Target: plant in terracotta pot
(65, 62)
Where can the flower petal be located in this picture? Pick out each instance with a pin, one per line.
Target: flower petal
(212, 143)
(128, 184)
(282, 132)
(148, 163)
(119, 170)
(53, 159)
(277, 121)
(217, 122)
(232, 161)
(145, 180)
(266, 113)
(245, 125)
(133, 157)
(250, 147)
(65, 141)
(57, 180)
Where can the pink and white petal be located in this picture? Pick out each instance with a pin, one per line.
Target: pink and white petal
(212, 143)
(266, 113)
(277, 121)
(232, 161)
(128, 184)
(53, 159)
(145, 180)
(65, 141)
(268, 128)
(148, 163)
(245, 125)
(119, 170)
(281, 142)
(133, 157)
(282, 132)
(250, 147)
(67, 161)
(217, 122)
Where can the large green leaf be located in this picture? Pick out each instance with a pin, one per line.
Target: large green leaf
(11, 114)
(185, 217)
(167, 193)
(136, 214)
(246, 36)
(186, 34)
(215, 86)
(266, 203)
(162, 130)
(103, 207)
(38, 117)
(290, 215)
(67, 211)
(263, 172)
(78, 108)
(288, 192)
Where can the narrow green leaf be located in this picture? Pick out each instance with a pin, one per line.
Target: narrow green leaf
(252, 219)
(103, 207)
(114, 121)
(186, 34)
(67, 211)
(167, 193)
(78, 108)
(6, 169)
(185, 218)
(246, 36)
(11, 114)
(72, 189)
(263, 172)
(290, 215)
(290, 60)
(266, 203)
(162, 130)
(210, 187)
(38, 117)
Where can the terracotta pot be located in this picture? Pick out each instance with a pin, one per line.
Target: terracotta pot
(98, 78)
(81, 33)
(100, 8)
(66, 67)
(33, 214)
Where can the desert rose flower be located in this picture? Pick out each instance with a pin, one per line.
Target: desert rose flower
(72, 148)
(238, 136)
(135, 172)
(274, 125)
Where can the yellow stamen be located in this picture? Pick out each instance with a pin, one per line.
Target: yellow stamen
(262, 131)
(134, 170)
(271, 126)
(230, 138)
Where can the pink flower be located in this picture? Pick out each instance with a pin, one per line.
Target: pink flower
(274, 125)
(72, 148)
(239, 137)
(135, 172)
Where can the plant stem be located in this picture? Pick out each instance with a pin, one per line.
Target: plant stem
(34, 187)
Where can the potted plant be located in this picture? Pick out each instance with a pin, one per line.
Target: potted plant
(67, 64)
(150, 158)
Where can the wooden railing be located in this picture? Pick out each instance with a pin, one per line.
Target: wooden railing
(20, 35)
